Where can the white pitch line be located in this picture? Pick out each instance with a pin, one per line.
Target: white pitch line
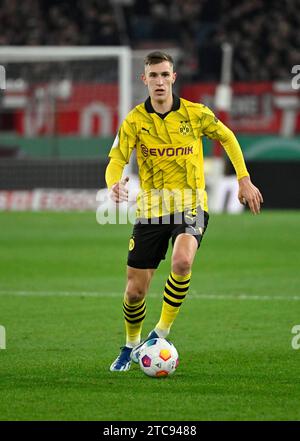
(192, 295)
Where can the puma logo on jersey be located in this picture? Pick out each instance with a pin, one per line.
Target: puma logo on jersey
(146, 130)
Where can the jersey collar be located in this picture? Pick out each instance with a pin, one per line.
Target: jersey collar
(175, 106)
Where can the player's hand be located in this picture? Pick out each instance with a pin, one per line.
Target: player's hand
(250, 194)
(119, 192)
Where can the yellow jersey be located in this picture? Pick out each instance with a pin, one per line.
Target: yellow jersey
(169, 155)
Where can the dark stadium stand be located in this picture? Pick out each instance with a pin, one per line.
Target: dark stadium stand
(197, 26)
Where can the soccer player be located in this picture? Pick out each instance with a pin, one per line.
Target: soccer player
(166, 132)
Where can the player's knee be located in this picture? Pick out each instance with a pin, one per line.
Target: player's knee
(181, 264)
(135, 291)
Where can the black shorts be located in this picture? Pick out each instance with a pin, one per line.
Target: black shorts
(149, 242)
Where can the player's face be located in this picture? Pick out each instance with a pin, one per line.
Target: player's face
(159, 78)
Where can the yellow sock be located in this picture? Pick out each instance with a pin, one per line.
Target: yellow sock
(174, 294)
(134, 314)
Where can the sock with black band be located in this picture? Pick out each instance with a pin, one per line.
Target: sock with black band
(134, 315)
(174, 294)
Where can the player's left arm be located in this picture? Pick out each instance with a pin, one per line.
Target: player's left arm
(248, 192)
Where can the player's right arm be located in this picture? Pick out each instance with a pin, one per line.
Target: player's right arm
(119, 155)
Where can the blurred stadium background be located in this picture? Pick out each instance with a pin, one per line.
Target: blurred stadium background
(72, 74)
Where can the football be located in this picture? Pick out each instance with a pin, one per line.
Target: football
(158, 358)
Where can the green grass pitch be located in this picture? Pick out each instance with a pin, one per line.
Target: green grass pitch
(61, 285)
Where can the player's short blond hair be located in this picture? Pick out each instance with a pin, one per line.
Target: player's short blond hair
(157, 57)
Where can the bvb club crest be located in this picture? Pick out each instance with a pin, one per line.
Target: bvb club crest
(184, 128)
(131, 244)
